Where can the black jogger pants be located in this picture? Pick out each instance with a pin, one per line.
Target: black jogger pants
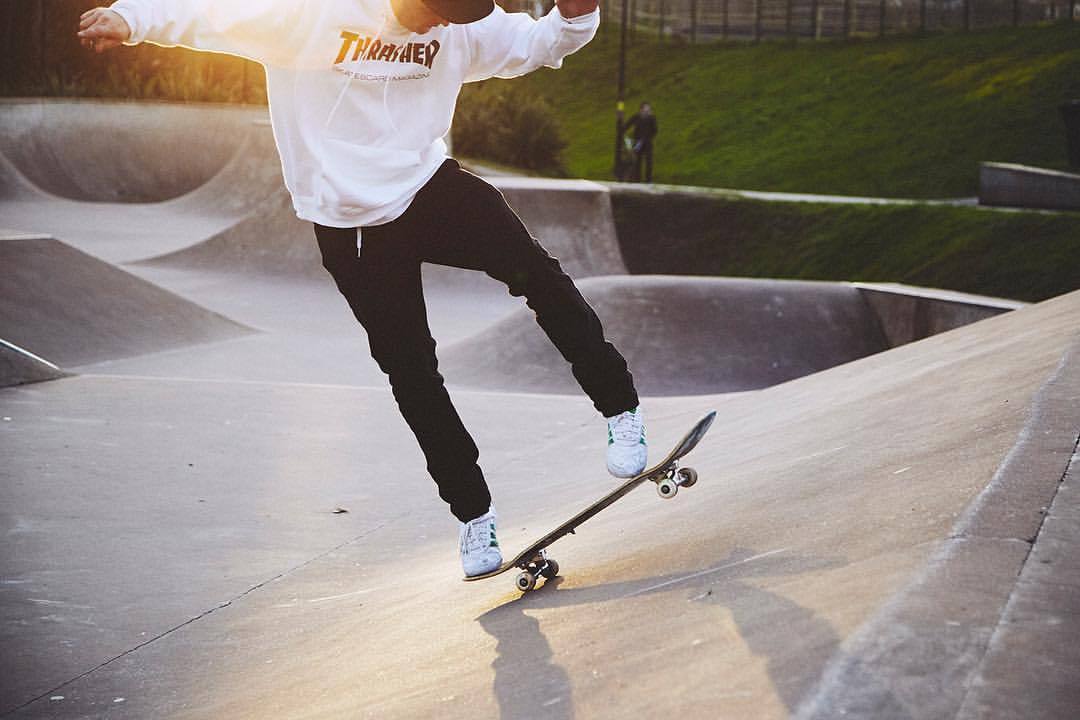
(459, 220)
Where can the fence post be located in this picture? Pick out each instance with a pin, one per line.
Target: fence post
(881, 19)
(660, 33)
(724, 22)
(967, 15)
(44, 38)
(693, 21)
(814, 19)
(922, 15)
(847, 19)
(787, 21)
(618, 168)
(757, 20)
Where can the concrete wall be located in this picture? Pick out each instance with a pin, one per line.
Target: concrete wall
(907, 313)
(1028, 187)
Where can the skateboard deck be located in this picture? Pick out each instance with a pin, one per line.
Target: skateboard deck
(668, 476)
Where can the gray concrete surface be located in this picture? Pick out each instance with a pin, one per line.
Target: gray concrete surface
(69, 148)
(685, 336)
(245, 528)
(73, 309)
(1022, 186)
(19, 366)
(908, 313)
(225, 155)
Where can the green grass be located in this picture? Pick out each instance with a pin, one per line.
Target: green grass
(898, 117)
(1027, 256)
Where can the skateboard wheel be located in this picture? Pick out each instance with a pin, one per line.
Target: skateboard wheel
(550, 570)
(687, 477)
(526, 581)
(667, 488)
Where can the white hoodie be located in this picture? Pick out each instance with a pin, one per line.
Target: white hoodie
(359, 104)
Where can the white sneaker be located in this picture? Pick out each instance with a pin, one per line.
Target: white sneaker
(479, 548)
(627, 450)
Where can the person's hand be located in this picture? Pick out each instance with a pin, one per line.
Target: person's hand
(102, 29)
(574, 8)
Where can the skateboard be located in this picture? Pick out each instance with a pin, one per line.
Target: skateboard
(534, 562)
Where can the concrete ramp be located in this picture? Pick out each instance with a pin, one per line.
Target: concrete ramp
(200, 186)
(13, 185)
(157, 178)
(20, 367)
(684, 336)
(72, 309)
(571, 218)
(105, 151)
(269, 239)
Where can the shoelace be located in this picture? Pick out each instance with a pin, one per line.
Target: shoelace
(476, 536)
(626, 428)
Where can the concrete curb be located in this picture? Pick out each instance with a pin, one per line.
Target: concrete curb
(919, 656)
(1021, 186)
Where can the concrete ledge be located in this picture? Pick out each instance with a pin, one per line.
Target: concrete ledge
(908, 313)
(1021, 186)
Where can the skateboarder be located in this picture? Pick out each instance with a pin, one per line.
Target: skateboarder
(361, 94)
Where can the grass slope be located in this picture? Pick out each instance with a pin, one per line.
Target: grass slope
(896, 117)
(1019, 255)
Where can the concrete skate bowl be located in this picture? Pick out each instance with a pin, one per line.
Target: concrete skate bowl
(117, 152)
(692, 335)
(71, 309)
(571, 218)
(685, 336)
(126, 181)
(202, 183)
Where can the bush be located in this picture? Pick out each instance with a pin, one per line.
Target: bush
(503, 123)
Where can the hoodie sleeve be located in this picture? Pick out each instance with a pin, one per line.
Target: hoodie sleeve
(510, 44)
(261, 30)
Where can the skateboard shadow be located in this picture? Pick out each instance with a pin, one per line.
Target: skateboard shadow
(530, 683)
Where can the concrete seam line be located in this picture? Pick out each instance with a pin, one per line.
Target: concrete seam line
(200, 616)
(900, 665)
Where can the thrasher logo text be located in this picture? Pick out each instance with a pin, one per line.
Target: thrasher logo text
(355, 48)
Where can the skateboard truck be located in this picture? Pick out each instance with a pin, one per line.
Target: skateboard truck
(539, 566)
(675, 477)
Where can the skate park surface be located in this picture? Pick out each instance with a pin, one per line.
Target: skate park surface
(211, 507)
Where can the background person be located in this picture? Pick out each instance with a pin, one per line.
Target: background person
(644, 127)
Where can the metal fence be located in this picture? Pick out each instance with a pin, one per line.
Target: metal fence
(710, 20)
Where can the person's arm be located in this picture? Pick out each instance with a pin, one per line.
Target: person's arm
(262, 30)
(103, 29)
(510, 44)
(576, 8)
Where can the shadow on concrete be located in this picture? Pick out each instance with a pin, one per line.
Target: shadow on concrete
(528, 676)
